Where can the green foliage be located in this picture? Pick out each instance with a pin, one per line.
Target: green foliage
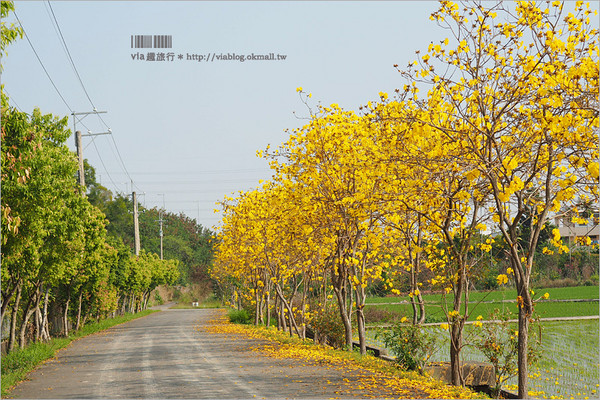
(158, 300)
(8, 33)
(239, 316)
(498, 341)
(411, 344)
(97, 194)
(184, 240)
(328, 327)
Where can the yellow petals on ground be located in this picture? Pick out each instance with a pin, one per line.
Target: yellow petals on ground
(364, 377)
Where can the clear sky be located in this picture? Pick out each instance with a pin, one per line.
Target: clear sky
(189, 130)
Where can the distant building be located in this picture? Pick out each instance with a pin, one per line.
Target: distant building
(570, 231)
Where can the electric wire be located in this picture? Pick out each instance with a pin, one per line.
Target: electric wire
(66, 48)
(79, 120)
(122, 163)
(44, 67)
(70, 58)
(42, 64)
(104, 166)
(12, 100)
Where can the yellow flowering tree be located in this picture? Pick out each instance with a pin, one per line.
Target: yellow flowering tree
(430, 189)
(332, 159)
(517, 91)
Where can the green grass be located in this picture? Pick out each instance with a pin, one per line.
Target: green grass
(579, 292)
(545, 309)
(16, 365)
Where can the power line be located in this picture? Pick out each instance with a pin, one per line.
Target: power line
(104, 166)
(199, 182)
(222, 171)
(66, 48)
(122, 163)
(58, 91)
(71, 58)
(12, 100)
(42, 64)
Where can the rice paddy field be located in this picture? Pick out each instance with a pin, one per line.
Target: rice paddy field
(569, 366)
(482, 303)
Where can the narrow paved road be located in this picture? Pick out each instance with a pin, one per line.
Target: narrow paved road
(169, 355)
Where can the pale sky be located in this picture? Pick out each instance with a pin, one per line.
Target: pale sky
(190, 129)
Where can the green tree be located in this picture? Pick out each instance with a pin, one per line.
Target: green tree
(8, 32)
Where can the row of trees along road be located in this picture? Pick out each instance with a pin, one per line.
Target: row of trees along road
(503, 138)
(67, 250)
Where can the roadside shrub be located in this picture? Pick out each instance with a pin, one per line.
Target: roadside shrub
(556, 283)
(498, 340)
(429, 319)
(239, 316)
(593, 281)
(377, 314)
(327, 326)
(411, 344)
(158, 300)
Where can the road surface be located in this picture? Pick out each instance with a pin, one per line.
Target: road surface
(168, 355)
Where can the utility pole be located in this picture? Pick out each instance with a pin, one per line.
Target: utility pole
(160, 232)
(80, 158)
(79, 145)
(160, 221)
(136, 225)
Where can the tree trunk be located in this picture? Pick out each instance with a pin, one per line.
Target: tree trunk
(291, 319)
(79, 302)
(38, 322)
(413, 304)
(421, 308)
(66, 318)
(37, 314)
(417, 268)
(362, 337)
(6, 297)
(256, 308)
(26, 315)
(341, 298)
(145, 299)
(525, 312)
(268, 310)
(360, 319)
(282, 311)
(457, 330)
(45, 332)
(455, 347)
(13, 319)
(413, 286)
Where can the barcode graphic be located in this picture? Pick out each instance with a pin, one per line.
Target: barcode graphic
(141, 41)
(163, 41)
(149, 41)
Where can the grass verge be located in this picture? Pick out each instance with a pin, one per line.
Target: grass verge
(16, 365)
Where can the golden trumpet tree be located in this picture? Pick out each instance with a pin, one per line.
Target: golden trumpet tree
(517, 93)
(331, 157)
(431, 193)
(267, 247)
